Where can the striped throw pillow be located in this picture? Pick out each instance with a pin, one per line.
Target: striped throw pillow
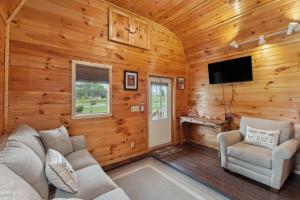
(59, 172)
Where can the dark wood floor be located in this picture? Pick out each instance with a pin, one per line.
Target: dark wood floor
(202, 164)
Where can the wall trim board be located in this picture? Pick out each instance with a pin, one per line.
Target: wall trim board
(6, 62)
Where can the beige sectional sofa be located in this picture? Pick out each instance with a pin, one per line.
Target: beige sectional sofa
(22, 174)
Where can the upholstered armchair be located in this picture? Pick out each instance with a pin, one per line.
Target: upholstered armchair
(270, 167)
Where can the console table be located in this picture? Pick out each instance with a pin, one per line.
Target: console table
(216, 126)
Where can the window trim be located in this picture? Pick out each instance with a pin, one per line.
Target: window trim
(73, 95)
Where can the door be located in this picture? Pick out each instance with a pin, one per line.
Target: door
(119, 26)
(159, 117)
(140, 36)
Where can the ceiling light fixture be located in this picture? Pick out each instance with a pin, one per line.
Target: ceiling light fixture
(292, 28)
(261, 40)
(234, 44)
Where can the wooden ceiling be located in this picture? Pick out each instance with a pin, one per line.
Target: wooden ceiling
(187, 17)
(195, 21)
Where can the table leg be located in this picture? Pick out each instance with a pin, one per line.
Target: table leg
(181, 133)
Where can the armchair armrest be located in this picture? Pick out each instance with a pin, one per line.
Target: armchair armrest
(78, 142)
(285, 150)
(227, 139)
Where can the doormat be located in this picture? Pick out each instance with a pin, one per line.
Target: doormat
(165, 152)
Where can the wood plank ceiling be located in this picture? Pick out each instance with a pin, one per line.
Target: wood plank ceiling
(188, 19)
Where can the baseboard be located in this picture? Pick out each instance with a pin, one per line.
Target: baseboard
(125, 162)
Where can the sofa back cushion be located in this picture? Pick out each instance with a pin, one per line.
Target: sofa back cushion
(25, 163)
(57, 139)
(13, 187)
(30, 137)
(284, 127)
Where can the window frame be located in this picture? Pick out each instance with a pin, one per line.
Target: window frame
(73, 95)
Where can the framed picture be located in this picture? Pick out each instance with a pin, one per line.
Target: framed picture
(180, 83)
(131, 80)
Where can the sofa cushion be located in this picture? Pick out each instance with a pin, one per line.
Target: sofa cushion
(31, 139)
(59, 172)
(13, 187)
(252, 154)
(81, 159)
(25, 163)
(284, 127)
(57, 139)
(116, 194)
(92, 182)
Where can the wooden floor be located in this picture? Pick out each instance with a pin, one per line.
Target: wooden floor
(202, 164)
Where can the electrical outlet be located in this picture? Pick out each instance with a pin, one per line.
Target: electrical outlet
(132, 145)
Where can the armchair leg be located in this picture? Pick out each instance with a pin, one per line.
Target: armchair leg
(274, 190)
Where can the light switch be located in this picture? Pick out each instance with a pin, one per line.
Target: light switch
(135, 108)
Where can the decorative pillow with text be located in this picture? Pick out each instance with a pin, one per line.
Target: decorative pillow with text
(263, 138)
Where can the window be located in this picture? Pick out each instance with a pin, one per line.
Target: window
(91, 89)
(159, 99)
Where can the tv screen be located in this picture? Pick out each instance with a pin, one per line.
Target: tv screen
(229, 71)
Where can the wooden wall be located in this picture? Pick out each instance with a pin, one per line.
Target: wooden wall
(2, 49)
(46, 35)
(7, 7)
(274, 93)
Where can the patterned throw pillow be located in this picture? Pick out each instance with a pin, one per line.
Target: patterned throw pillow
(263, 138)
(59, 172)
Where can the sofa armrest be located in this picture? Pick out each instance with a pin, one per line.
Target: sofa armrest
(78, 142)
(227, 139)
(285, 150)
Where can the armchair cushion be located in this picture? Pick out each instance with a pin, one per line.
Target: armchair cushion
(286, 150)
(284, 127)
(252, 154)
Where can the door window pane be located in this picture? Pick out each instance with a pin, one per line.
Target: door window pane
(159, 109)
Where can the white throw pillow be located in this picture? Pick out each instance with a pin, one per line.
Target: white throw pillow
(263, 138)
(59, 172)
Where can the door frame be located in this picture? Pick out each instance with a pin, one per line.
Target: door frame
(173, 107)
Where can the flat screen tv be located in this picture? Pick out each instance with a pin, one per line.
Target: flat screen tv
(230, 71)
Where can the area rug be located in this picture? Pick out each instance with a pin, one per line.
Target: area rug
(165, 152)
(149, 183)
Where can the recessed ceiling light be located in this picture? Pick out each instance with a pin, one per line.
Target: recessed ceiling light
(234, 44)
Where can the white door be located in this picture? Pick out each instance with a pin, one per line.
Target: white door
(159, 111)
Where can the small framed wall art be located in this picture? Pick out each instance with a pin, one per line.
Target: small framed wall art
(131, 80)
(180, 83)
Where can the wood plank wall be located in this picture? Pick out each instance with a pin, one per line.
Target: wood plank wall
(46, 35)
(275, 91)
(7, 7)
(2, 54)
